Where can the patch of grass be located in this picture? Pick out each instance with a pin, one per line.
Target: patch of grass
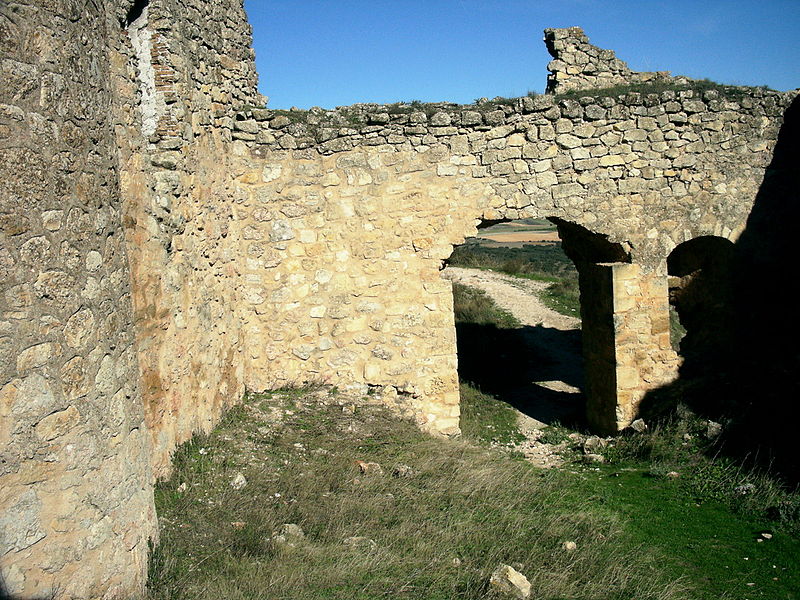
(554, 434)
(676, 329)
(438, 533)
(730, 92)
(486, 419)
(719, 552)
(681, 448)
(472, 305)
(564, 296)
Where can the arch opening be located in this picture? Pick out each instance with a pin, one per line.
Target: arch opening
(516, 307)
(701, 294)
(549, 274)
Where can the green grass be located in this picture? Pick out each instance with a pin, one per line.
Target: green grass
(438, 534)
(730, 92)
(545, 262)
(678, 494)
(473, 306)
(564, 297)
(485, 419)
(703, 541)
(682, 445)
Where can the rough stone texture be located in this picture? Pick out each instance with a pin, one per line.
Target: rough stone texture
(348, 214)
(173, 133)
(510, 583)
(98, 121)
(578, 65)
(165, 243)
(76, 498)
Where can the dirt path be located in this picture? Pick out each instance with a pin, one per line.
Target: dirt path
(518, 296)
(540, 401)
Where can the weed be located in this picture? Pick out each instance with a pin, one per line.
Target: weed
(554, 434)
(730, 92)
(485, 419)
(461, 502)
(473, 306)
(564, 296)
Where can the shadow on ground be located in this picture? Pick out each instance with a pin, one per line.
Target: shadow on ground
(752, 385)
(514, 364)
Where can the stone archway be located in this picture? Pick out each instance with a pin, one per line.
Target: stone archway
(701, 290)
(517, 348)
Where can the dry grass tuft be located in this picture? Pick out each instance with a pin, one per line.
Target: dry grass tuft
(438, 532)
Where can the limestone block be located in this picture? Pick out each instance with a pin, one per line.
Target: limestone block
(566, 190)
(57, 424)
(36, 356)
(80, 328)
(567, 140)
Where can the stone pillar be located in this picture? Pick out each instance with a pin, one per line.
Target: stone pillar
(626, 345)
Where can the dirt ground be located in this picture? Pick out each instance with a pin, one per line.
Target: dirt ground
(518, 296)
(540, 402)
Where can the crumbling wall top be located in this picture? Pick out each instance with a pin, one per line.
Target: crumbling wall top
(578, 65)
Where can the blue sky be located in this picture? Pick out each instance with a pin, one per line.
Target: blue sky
(336, 52)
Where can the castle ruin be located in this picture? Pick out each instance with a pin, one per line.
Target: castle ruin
(168, 243)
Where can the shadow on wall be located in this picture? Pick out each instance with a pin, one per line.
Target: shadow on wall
(6, 595)
(753, 385)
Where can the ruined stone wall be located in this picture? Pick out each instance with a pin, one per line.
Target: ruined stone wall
(188, 64)
(76, 499)
(113, 119)
(348, 215)
(578, 65)
(165, 243)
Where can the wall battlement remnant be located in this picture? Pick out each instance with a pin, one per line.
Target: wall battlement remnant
(578, 65)
(167, 244)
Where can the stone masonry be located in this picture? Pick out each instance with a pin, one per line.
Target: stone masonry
(347, 215)
(76, 495)
(167, 243)
(578, 65)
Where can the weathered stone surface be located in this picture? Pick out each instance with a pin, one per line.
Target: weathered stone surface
(510, 583)
(72, 416)
(578, 65)
(266, 248)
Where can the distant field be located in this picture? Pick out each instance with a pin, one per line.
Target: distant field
(517, 233)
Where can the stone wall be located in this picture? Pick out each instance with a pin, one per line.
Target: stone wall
(75, 476)
(347, 216)
(111, 141)
(182, 80)
(578, 65)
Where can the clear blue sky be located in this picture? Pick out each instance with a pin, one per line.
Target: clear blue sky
(336, 52)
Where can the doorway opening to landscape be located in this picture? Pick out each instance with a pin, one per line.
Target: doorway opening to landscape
(517, 317)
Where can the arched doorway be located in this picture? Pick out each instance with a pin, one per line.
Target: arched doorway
(700, 290)
(516, 308)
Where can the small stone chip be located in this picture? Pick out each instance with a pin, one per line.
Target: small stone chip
(239, 481)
